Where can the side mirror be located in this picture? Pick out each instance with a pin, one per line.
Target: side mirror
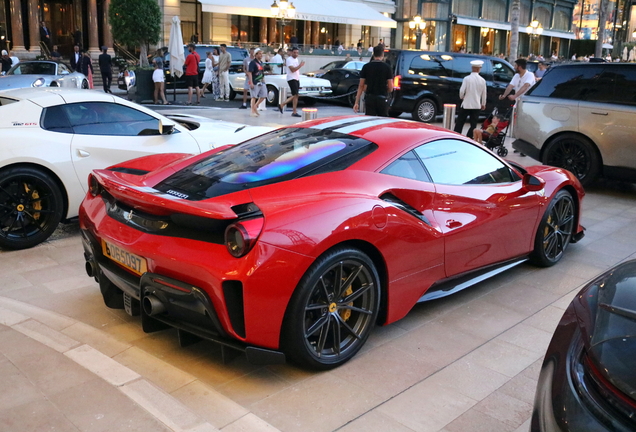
(165, 129)
(532, 183)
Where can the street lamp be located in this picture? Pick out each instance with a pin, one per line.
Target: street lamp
(534, 30)
(418, 25)
(284, 12)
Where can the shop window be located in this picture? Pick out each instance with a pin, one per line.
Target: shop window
(561, 21)
(494, 10)
(468, 8)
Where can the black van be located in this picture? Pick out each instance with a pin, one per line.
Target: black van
(426, 80)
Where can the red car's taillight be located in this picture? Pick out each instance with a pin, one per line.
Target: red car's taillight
(397, 82)
(93, 185)
(241, 236)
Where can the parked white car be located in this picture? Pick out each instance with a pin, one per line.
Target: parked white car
(42, 73)
(53, 138)
(309, 87)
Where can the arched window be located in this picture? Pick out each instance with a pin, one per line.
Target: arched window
(542, 15)
(494, 10)
(561, 21)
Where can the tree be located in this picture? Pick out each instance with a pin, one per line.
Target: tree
(136, 23)
(515, 12)
(602, 17)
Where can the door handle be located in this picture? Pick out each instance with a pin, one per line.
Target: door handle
(83, 153)
(453, 224)
(599, 113)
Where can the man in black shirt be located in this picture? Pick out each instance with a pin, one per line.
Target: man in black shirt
(106, 68)
(376, 79)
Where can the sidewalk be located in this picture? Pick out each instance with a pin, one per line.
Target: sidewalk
(56, 378)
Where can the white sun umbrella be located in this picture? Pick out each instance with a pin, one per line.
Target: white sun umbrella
(625, 54)
(177, 56)
(632, 54)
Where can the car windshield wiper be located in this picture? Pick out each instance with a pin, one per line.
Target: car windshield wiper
(626, 313)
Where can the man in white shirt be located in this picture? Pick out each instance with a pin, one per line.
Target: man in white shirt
(277, 62)
(293, 80)
(521, 82)
(473, 96)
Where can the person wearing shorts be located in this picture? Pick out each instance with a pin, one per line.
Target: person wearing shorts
(192, 73)
(256, 77)
(159, 80)
(293, 80)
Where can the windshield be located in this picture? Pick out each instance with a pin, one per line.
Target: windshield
(333, 65)
(43, 68)
(277, 156)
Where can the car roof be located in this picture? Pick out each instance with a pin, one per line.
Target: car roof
(46, 97)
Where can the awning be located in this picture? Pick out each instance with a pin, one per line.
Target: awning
(506, 26)
(333, 11)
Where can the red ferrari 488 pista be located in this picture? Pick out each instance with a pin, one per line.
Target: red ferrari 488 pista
(295, 244)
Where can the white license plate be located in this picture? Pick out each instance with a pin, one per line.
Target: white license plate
(132, 262)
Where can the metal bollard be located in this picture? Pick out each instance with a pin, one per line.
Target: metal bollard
(282, 96)
(449, 116)
(310, 114)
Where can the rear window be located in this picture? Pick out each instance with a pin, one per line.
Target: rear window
(431, 65)
(43, 68)
(567, 82)
(274, 157)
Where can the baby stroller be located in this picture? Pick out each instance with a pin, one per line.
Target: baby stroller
(496, 140)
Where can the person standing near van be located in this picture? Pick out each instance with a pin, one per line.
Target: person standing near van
(225, 60)
(521, 82)
(473, 96)
(376, 79)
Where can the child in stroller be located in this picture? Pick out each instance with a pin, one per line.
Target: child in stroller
(493, 133)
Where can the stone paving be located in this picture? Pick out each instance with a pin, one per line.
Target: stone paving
(468, 362)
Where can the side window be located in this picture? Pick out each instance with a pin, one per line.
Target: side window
(616, 85)
(462, 67)
(104, 118)
(501, 72)
(54, 119)
(62, 69)
(430, 65)
(457, 162)
(407, 166)
(567, 82)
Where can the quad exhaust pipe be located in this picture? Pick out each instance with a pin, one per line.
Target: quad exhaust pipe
(91, 269)
(152, 305)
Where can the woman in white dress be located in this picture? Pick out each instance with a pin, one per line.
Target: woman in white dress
(207, 75)
(216, 90)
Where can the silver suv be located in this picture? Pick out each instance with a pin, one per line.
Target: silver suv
(581, 117)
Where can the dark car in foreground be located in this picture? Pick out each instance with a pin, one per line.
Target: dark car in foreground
(299, 242)
(580, 117)
(588, 378)
(426, 80)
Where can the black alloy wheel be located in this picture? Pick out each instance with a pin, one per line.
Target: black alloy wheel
(85, 84)
(555, 231)
(351, 98)
(31, 207)
(333, 310)
(576, 154)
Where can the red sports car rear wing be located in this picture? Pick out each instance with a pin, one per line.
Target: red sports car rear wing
(159, 203)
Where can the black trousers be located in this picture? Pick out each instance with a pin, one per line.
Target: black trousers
(376, 105)
(107, 78)
(461, 119)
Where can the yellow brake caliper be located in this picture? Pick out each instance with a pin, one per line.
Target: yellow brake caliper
(37, 205)
(346, 313)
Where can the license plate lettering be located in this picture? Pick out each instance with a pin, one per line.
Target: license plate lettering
(132, 262)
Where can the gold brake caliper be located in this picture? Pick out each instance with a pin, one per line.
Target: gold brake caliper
(346, 313)
(37, 204)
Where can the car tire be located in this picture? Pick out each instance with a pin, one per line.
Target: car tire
(395, 114)
(576, 154)
(425, 111)
(555, 230)
(321, 329)
(31, 207)
(85, 84)
(272, 95)
(232, 94)
(351, 98)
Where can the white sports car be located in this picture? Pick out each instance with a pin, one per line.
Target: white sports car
(42, 73)
(309, 87)
(53, 138)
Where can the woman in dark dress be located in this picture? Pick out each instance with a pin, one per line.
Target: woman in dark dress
(87, 68)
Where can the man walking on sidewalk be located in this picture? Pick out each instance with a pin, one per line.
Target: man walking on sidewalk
(225, 60)
(246, 67)
(258, 89)
(293, 80)
(473, 96)
(106, 68)
(376, 79)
